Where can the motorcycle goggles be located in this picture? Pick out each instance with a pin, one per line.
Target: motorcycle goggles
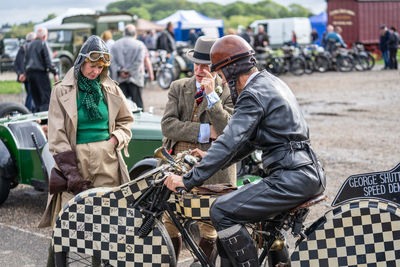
(96, 55)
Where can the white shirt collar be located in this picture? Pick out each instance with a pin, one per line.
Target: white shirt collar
(251, 77)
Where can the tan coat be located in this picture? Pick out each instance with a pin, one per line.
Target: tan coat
(177, 126)
(63, 120)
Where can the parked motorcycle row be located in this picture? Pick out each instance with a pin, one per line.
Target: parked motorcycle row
(296, 60)
(313, 58)
(168, 68)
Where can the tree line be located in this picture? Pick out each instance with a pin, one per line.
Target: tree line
(234, 14)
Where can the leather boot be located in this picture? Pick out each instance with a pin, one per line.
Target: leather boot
(177, 243)
(209, 248)
(239, 246)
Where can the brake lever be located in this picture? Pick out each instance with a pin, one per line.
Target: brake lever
(181, 190)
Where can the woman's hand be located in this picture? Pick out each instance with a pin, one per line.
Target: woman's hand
(113, 140)
(173, 181)
(198, 153)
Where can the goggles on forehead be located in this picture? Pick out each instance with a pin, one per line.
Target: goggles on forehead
(96, 55)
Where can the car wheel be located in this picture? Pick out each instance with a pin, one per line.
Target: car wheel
(11, 108)
(4, 189)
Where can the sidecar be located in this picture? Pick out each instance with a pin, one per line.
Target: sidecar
(362, 229)
(25, 157)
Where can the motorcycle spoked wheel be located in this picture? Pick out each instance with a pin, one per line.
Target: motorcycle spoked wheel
(165, 77)
(69, 259)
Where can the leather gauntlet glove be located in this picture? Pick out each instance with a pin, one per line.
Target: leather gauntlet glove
(68, 164)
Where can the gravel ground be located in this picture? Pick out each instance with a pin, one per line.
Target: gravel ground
(354, 125)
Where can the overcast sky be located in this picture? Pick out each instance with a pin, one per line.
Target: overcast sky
(17, 11)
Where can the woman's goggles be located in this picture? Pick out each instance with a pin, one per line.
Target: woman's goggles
(96, 55)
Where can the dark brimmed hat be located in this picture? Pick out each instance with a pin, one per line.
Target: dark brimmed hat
(201, 52)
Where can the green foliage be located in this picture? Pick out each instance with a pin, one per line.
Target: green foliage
(234, 21)
(298, 11)
(20, 31)
(10, 87)
(159, 9)
(140, 12)
(50, 16)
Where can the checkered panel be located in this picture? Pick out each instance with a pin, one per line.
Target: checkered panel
(364, 233)
(101, 222)
(195, 207)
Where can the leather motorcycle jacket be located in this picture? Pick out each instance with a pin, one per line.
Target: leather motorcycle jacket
(266, 117)
(38, 57)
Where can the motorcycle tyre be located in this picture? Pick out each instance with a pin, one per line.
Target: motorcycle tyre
(361, 63)
(274, 66)
(345, 63)
(371, 61)
(165, 77)
(321, 63)
(309, 66)
(297, 66)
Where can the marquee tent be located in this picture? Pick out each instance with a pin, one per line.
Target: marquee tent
(57, 21)
(184, 20)
(319, 23)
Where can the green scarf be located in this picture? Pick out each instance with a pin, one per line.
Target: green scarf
(91, 96)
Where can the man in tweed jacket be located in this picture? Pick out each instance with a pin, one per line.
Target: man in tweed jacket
(197, 112)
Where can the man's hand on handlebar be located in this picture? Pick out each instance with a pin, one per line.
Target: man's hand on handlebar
(198, 153)
(173, 182)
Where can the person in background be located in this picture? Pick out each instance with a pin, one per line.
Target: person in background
(261, 39)
(231, 31)
(19, 68)
(107, 37)
(248, 35)
(332, 37)
(38, 62)
(128, 63)
(197, 111)
(383, 45)
(314, 36)
(148, 67)
(192, 37)
(89, 126)
(166, 41)
(142, 36)
(268, 117)
(150, 40)
(393, 45)
(1, 45)
(294, 39)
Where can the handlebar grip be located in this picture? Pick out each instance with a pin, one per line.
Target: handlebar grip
(181, 190)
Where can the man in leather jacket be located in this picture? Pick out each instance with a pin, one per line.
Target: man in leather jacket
(266, 117)
(37, 65)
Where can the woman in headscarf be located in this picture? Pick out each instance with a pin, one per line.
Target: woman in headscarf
(89, 125)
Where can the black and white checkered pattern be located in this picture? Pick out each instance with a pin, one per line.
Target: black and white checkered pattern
(102, 223)
(193, 206)
(362, 233)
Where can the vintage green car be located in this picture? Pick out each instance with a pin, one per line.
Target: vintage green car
(25, 157)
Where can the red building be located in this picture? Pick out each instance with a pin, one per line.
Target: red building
(361, 19)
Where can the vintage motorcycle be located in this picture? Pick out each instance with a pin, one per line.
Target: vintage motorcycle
(121, 226)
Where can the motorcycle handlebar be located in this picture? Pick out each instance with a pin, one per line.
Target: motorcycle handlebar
(181, 190)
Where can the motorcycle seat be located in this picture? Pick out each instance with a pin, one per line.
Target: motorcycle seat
(311, 202)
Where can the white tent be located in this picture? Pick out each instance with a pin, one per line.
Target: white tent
(184, 20)
(58, 20)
